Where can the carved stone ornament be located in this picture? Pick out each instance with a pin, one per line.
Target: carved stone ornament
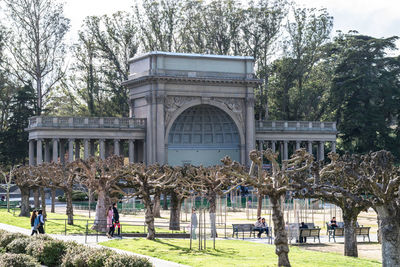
(172, 103)
(236, 105)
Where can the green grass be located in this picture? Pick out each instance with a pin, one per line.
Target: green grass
(58, 226)
(232, 253)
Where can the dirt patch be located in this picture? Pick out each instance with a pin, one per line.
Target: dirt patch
(370, 251)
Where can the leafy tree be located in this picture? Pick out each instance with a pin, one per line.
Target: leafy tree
(366, 92)
(38, 49)
(14, 138)
(307, 34)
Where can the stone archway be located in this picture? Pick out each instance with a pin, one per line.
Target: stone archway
(202, 135)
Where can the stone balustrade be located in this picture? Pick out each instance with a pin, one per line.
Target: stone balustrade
(86, 122)
(296, 126)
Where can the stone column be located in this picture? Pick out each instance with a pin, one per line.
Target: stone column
(321, 150)
(250, 128)
(310, 147)
(102, 148)
(297, 145)
(131, 150)
(261, 145)
(71, 150)
(31, 152)
(281, 152)
(86, 151)
(273, 146)
(116, 147)
(47, 157)
(92, 148)
(160, 132)
(333, 146)
(39, 152)
(285, 150)
(144, 152)
(55, 150)
(62, 151)
(77, 149)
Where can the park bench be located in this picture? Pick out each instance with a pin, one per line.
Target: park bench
(364, 232)
(244, 227)
(311, 232)
(248, 227)
(339, 232)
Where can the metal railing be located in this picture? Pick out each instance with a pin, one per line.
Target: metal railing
(86, 122)
(295, 126)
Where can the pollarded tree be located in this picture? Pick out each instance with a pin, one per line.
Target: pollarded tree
(145, 181)
(275, 185)
(215, 181)
(25, 179)
(338, 183)
(380, 178)
(57, 175)
(99, 176)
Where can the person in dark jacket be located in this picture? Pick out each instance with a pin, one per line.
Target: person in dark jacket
(34, 222)
(116, 220)
(41, 222)
(303, 226)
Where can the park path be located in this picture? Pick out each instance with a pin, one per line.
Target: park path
(91, 242)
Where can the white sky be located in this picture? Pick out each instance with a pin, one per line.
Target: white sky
(378, 18)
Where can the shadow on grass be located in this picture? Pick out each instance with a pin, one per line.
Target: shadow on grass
(209, 251)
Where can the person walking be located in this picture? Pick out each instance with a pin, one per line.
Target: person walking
(34, 222)
(41, 222)
(110, 221)
(116, 220)
(193, 223)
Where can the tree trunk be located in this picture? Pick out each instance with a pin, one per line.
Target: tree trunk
(53, 200)
(212, 200)
(8, 198)
(149, 218)
(259, 205)
(390, 230)
(36, 200)
(70, 210)
(25, 208)
(157, 206)
(175, 212)
(350, 237)
(281, 241)
(165, 202)
(100, 219)
(43, 200)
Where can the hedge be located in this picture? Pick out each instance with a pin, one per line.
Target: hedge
(26, 251)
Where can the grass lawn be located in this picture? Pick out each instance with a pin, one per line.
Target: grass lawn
(232, 253)
(58, 226)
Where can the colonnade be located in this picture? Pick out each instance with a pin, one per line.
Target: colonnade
(62, 150)
(284, 146)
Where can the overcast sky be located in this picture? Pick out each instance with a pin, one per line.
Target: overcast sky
(378, 18)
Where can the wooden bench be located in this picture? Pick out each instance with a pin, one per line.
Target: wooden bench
(311, 232)
(339, 232)
(364, 232)
(244, 227)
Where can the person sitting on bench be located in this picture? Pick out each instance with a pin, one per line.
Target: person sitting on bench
(261, 226)
(333, 223)
(303, 226)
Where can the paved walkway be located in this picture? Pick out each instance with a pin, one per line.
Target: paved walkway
(91, 241)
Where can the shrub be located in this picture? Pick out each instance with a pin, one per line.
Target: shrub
(18, 245)
(76, 196)
(82, 256)
(17, 260)
(48, 252)
(124, 260)
(7, 238)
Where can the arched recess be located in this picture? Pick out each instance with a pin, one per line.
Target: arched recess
(203, 134)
